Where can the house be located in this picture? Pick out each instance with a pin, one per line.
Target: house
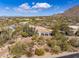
(23, 23)
(42, 31)
(74, 28)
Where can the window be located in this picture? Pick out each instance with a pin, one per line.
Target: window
(46, 34)
(42, 34)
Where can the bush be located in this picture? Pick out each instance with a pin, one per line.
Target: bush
(39, 40)
(64, 46)
(24, 34)
(55, 50)
(39, 52)
(34, 38)
(51, 42)
(18, 49)
(29, 53)
(5, 36)
(74, 42)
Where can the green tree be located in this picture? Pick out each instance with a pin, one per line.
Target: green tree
(29, 30)
(61, 25)
(60, 28)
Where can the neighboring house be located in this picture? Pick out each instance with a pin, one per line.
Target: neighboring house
(74, 28)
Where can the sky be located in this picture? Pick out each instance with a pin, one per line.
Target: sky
(35, 7)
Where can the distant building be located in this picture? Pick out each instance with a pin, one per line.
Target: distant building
(23, 23)
(74, 28)
(41, 31)
(38, 19)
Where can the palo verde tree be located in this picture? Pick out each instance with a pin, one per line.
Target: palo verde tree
(61, 25)
(28, 31)
(60, 28)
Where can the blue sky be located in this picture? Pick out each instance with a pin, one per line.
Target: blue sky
(35, 7)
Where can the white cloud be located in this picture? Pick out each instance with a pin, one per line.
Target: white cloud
(41, 5)
(25, 6)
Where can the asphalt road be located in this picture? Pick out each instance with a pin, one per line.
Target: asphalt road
(71, 56)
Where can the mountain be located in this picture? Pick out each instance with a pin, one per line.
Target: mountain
(71, 15)
(72, 11)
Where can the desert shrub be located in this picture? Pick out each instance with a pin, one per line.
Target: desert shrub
(74, 42)
(59, 36)
(18, 49)
(39, 40)
(34, 37)
(64, 46)
(51, 42)
(5, 36)
(62, 41)
(39, 52)
(55, 49)
(24, 34)
(29, 53)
